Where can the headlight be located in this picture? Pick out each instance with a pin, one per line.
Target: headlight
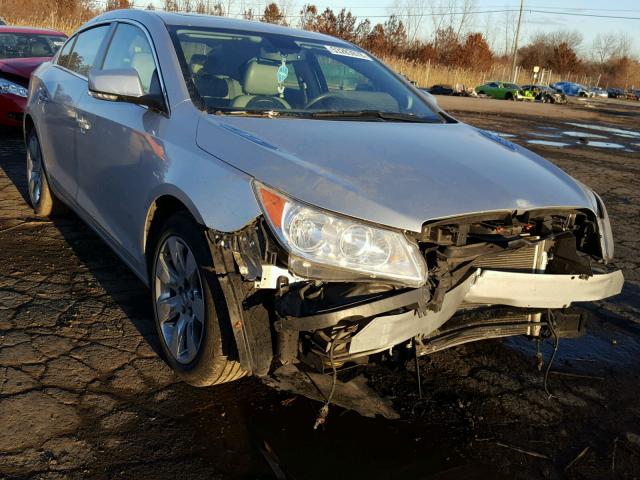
(7, 87)
(328, 246)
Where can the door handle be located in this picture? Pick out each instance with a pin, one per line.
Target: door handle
(83, 124)
(43, 96)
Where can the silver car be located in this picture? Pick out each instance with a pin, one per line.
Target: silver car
(287, 198)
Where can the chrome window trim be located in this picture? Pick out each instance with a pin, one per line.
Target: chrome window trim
(114, 22)
(74, 37)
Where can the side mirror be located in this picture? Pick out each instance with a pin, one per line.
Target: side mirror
(123, 85)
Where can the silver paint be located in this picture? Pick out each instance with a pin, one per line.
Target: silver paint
(110, 161)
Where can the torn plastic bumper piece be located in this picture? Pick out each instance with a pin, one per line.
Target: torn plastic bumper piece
(525, 290)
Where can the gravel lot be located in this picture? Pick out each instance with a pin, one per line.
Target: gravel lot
(83, 393)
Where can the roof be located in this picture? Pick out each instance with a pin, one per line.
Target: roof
(30, 30)
(212, 21)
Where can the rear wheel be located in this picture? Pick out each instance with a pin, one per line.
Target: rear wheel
(185, 295)
(43, 201)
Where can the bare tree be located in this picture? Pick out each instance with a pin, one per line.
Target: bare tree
(489, 30)
(624, 45)
(573, 38)
(413, 13)
(509, 24)
(603, 47)
(452, 15)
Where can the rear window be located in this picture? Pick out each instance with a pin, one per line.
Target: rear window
(24, 45)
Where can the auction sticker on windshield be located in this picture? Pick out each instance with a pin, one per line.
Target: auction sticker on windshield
(346, 52)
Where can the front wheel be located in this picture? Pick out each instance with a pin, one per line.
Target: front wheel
(186, 300)
(43, 201)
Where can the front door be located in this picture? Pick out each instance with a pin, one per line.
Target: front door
(63, 87)
(119, 153)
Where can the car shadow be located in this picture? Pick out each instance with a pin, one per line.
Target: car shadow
(12, 147)
(118, 282)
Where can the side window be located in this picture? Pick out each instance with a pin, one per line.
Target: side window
(86, 49)
(63, 58)
(130, 49)
(342, 77)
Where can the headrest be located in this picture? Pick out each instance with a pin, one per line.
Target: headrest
(212, 87)
(41, 49)
(197, 62)
(261, 79)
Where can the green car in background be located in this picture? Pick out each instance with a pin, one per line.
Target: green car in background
(504, 91)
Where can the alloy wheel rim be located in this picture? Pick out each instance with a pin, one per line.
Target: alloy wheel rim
(34, 171)
(179, 301)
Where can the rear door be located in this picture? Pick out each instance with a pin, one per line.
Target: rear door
(64, 86)
(121, 159)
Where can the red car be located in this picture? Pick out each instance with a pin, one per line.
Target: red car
(22, 49)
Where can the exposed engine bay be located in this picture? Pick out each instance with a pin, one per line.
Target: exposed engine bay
(489, 275)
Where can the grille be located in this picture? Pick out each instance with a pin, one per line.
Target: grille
(530, 259)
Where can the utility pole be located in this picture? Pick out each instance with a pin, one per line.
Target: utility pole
(515, 44)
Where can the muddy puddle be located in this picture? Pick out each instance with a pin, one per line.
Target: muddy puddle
(607, 137)
(606, 345)
(548, 143)
(605, 145)
(615, 131)
(583, 135)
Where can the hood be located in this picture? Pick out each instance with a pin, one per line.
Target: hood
(21, 67)
(395, 174)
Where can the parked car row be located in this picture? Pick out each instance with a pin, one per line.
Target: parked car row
(512, 91)
(504, 91)
(22, 50)
(577, 90)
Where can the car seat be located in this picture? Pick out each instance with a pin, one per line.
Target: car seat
(40, 48)
(211, 79)
(260, 87)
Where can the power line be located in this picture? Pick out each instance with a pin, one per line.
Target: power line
(478, 12)
(584, 14)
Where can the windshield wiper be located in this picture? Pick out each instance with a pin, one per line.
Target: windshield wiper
(372, 114)
(376, 115)
(248, 113)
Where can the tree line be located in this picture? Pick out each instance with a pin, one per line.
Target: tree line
(452, 42)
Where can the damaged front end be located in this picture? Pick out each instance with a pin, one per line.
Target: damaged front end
(484, 276)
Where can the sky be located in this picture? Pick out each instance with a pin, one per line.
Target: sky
(499, 25)
(493, 24)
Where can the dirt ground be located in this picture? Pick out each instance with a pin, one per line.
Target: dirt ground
(83, 393)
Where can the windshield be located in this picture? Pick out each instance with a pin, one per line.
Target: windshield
(235, 71)
(25, 45)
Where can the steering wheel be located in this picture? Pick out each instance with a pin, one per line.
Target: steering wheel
(322, 97)
(265, 102)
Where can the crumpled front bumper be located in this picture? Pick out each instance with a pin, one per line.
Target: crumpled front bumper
(487, 287)
(526, 290)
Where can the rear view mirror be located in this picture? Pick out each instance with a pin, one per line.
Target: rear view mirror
(123, 85)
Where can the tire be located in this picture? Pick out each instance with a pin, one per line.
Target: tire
(508, 96)
(187, 298)
(481, 92)
(43, 201)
